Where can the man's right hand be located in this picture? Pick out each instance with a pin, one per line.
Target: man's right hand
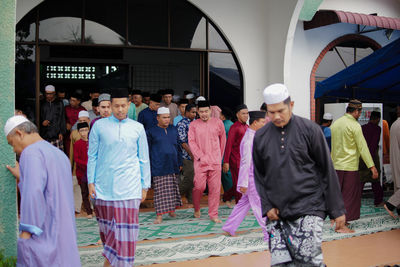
(374, 173)
(225, 167)
(46, 123)
(92, 191)
(273, 214)
(14, 170)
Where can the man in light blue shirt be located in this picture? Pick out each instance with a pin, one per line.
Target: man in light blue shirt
(118, 174)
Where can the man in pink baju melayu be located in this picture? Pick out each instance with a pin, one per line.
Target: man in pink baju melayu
(207, 142)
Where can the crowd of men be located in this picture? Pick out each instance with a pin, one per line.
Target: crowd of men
(291, 172)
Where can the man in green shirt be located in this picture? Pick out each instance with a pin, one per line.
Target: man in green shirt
(348, 144)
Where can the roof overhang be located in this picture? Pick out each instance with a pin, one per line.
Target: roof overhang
(328, 17)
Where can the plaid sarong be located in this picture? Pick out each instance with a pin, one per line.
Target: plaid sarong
(119, 229)
(166, 193)
(57, 143)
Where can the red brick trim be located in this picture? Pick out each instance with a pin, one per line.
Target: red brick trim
(349, 37)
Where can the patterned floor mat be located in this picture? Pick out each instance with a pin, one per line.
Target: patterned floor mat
(250, 239)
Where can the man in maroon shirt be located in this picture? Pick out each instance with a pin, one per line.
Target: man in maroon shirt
(372, 134)
(232, 150)
(71, 114)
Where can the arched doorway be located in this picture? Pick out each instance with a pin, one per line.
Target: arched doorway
(337, 55)
(142, 44)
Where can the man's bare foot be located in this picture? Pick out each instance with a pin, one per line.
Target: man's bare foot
(345, 230)
(172, 214)
(197, 214)
(158, 220)
(390, 212)
(229, 204)
(90, 216)
(234, 234)
(190, 205)
(216, 220)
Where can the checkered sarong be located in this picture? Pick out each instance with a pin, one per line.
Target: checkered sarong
(119, 229)
(166, 193)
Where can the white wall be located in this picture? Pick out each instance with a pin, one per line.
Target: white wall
(307, 45)
(257, 31)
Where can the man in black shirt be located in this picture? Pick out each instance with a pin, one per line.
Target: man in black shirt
(52, 118)
(296, 181)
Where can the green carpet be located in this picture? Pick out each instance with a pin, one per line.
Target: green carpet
(185, 225)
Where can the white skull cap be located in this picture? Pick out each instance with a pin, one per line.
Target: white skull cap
(13, 122)
(83, 113)
(50, 88)
(328, 116)
(275, 93)
(162, 110)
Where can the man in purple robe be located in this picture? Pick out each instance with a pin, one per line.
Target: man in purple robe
(245, 184)
(47, 223)
(372, 134)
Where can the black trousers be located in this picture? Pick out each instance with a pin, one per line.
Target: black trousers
(85, 197)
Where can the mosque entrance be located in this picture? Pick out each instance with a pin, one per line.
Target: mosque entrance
(140, 44)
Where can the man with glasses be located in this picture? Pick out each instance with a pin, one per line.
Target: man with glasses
(348, 144)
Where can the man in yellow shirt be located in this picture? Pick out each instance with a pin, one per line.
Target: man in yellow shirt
(348, 144)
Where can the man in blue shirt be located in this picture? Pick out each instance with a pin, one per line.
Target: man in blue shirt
(326, 123)
(118, 174)
(182, 105)
(166, 162)
(186, 185)
(148, 116)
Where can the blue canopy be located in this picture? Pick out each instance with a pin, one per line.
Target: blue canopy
(374, 78)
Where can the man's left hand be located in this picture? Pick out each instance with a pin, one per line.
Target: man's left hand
(60, 137)
(144, 195)
(25, 235)
(243, 190)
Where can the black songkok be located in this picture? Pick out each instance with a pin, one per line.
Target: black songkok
(203, 104)
(82, 125)
(257, 115)
(155, 98)
(119, 93)
(183, 101)
(168, 92)
(136, 92)
(240, 107)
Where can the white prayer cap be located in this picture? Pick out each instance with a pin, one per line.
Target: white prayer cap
(189, 96)
(83, 113)
(328, 116)
(275, 93)
(50, 88)
(162, 110)
(13, 122)
(200, 98)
